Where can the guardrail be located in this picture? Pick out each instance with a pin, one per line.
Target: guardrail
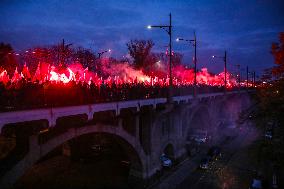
(51, 114)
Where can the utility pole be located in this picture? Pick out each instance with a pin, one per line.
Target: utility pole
(254, 78)
(63, 52)
(239, 75)
(247, 75)
(225, 68)
(168, 29)
(225, 61)
(193, 42)
(195, 60)
(195, 66)
(171, 77)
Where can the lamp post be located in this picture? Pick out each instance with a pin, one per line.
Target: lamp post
(193, 42)
(102, 52)
(239, 75)
(252, 74)
(62, 50)
(225, 68)
(168, 29)
(253, 78)
(247, 76)
(99, 57)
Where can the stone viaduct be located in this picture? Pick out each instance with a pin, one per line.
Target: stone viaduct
(144, 129)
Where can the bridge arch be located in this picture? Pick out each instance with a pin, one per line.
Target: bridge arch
(169, 150)
(227, 111)
(129, 143)
(199, 118)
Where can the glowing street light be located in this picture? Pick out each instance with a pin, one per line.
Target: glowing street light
(168, 29)
(193, 42)
(225, 67)
(158, 63)
(101, 53)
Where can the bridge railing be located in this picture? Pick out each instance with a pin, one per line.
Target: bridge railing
(33, 96)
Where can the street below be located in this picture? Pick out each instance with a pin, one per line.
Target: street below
(232, 170)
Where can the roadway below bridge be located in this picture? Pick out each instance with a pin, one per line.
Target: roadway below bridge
(222, 173)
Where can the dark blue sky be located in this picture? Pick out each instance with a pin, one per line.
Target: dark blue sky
(246, 28)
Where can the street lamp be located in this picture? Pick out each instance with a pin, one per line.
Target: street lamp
(98, 60)
(252, 79)
(193, 42)
(239, 75)
(101, 53)
(225, 67)
(247, 76)
(168, 29)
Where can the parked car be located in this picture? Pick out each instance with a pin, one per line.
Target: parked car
(204, 163)
(256, 184)
(201, 139)
(199, 136)
(214, 153)
(166, 162)
(268, 134)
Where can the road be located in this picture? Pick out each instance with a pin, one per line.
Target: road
(219, 174)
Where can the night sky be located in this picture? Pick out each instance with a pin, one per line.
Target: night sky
(246, 28)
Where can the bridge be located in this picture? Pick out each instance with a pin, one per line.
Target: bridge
(144, 129)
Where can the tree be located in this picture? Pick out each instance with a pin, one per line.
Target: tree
(277, 51)
(86, 57)
(33, 57)
(139, 50)
(176, 59)
(7, 58)
(62, 55)
(271, 95)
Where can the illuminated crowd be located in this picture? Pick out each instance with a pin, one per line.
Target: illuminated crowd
(75, 85)
(26, 94)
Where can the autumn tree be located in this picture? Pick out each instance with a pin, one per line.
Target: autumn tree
(37, 55)
(61, 55)
(8, 60)
(86, 57)
(277, 51)
(271, 104)
(271, 95)
(140, 50)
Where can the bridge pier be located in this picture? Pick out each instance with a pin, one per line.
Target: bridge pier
(8, 180)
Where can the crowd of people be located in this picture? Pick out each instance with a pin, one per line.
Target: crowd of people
(25, 94)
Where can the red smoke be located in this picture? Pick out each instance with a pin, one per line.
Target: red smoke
(118, 73)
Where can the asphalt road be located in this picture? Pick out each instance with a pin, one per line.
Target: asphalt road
(219, 175)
